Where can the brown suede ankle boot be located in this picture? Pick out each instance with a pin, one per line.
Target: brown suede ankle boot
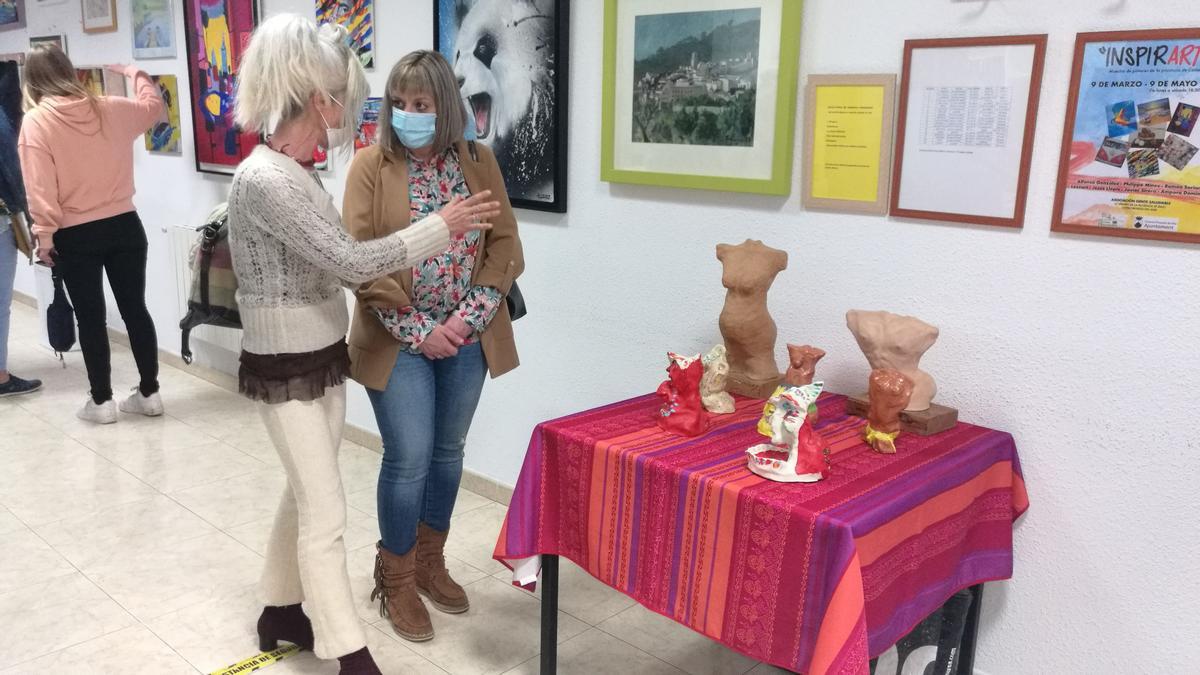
(433, 579)
(396, 588)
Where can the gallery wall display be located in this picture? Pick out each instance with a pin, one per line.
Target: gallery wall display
(99, 16)
(967, 113)
(700, 93)
(1129, 165)
(153, 29)
(217, 32)
(358, 16)
(848, 142)
(12, 14)
(165, 136)
(60, 40)
(511, 60)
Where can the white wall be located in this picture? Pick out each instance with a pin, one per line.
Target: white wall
(1083, 347)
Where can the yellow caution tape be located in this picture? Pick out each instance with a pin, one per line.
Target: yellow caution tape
(261, 661)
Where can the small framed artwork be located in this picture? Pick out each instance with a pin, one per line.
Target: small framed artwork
(153, 29)
(848, 142)
(511, 63)
(12, 14)
(358, 16)
(216, 33)
(1129, 161)
(967, 113)
(164, 137)
(99, 16)
(700, 93)
(60, 40)
(368, 123)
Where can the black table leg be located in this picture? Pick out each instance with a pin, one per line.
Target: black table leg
(966, 652)
(549, 614)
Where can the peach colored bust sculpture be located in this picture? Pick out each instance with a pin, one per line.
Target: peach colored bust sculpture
(898, 342)
(803, 364)
(746, 325)
(712, 387)
(888, 394)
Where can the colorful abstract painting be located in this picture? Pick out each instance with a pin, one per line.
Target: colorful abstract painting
(368, 124)
(101, 82)
(164, 137)
(217, 33)
(358, 16)
(153, 29)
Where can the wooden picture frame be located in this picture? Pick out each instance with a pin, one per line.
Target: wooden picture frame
(14, 20)
(967, 168)
(219, 146)
(822, 197)
(1148, 205)
(645, 139)
(532, 160)
(95, 18)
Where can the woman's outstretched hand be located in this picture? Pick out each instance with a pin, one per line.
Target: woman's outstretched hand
(464, 215)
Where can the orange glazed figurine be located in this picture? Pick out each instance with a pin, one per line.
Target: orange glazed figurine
(888, 394)
(746, 325)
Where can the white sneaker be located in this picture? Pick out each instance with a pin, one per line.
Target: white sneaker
(136, 404)
(98, 413)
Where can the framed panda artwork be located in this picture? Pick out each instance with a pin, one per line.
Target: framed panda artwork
(510, 57)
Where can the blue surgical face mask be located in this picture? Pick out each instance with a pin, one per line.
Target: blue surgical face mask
(415, 130)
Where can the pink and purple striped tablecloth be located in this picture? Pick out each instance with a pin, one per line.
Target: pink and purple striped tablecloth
(816, 578)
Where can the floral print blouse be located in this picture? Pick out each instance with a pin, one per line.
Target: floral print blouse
(441, 284)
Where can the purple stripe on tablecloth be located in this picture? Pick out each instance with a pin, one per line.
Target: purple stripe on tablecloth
(831, 553)
(712, 561)
(885, 503)
(522, 533)
(639, 468)
(677, 545)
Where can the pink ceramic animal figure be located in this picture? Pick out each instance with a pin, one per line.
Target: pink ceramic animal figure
(682, 412)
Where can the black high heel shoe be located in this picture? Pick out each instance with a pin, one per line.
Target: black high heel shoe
(288, 623)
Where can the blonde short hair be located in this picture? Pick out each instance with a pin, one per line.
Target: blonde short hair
(424, 72)
(290, 59)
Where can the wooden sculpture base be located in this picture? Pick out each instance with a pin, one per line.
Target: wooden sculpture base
(937, 419)
(760, 389)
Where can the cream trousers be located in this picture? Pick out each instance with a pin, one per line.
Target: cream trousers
(306, 556)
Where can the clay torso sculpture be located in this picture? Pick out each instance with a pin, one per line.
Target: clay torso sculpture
(803, 367)
(682, 411)
(889, 392)
(896, 342)
(807, 455)
(746, 325)
(712, 386)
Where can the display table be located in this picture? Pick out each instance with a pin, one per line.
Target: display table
(816, 578)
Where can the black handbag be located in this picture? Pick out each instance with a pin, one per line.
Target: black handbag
(516, 302)
(60, 319)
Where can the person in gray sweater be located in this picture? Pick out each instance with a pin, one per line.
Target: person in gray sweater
(301, 86)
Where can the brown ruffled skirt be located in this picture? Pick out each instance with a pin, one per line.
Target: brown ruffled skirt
(279, 378)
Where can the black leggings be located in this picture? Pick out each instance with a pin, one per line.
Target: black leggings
(116, 246)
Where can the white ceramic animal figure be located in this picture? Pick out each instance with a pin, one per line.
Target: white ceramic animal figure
(806, 460)
(504, 60)
(712, 386)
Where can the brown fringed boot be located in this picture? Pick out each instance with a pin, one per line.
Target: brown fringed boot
(433, 579)
(396, 588)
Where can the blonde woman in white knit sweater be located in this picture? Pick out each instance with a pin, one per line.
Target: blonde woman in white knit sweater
(303, 87)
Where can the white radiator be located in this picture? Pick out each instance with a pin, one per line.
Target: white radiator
(183, 239)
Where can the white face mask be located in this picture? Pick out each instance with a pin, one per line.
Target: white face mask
(339, 137)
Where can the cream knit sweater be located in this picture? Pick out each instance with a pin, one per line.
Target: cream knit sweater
(291, 255)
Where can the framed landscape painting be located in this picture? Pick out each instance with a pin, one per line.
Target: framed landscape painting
(217, 33)
(12, 14)
(153, 29)
(511, 62)
(700, 93)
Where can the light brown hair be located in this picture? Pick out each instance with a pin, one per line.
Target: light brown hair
(423, 72)
(48, 72)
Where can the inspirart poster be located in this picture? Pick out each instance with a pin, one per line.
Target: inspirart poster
(217, 33)
(358, 16)
(1131, 160)
(163, 138)
(153, 29)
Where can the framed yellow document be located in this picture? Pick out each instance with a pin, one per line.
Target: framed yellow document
(848, 142)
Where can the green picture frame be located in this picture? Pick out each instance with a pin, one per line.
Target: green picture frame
(780, 180)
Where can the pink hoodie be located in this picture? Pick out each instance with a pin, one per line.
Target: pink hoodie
(77, 167)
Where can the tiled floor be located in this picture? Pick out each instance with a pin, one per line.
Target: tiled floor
(137, 546)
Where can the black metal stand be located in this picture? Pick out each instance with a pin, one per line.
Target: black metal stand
(966, 649)
(549, 614)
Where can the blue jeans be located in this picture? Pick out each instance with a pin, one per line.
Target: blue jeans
(423, 417)
(8, 271)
